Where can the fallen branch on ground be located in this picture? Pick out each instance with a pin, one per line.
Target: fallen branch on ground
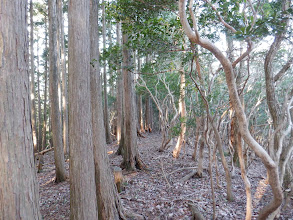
(44, 151)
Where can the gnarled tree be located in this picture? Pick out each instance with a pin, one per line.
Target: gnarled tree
(271, 166)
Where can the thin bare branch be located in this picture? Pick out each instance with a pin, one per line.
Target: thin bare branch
(220, 17)
(246, 53)
(156, 73)
(193, 19)
(284, 69)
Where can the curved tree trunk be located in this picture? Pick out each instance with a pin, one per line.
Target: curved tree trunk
(245, 179)
(272, 101)
(19, 196)
(270, 165)
(230, 196)
(277, 113)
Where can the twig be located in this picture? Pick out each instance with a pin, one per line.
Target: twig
(164, 174)
(184, 168)
(220, 17)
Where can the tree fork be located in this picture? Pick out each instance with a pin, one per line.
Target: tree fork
(270, 165)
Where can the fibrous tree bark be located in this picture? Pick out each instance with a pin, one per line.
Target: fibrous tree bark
(131, 158)
(119, 102)
(64, 78)
(32, 74)
(44, 131)
(54, 98)
(39, 101)
(270, 165)
(106, 113)
(83, 200)
(108, 201)
(19, 196)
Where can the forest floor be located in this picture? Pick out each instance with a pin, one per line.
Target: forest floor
(159, 192)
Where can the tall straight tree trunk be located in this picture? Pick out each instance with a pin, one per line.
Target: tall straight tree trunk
(19, 196)
(131, 159)
(139, 104)
(148, 114)
(106, 113)
(54, 98)
(140, 114)
(109, 205)
(119, 103)
(64, 79)
(32, 73)
(182, 111)
(39, 102)
(44, 132)
(83, 199)
(44, 138)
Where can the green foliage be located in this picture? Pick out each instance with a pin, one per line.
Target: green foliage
(155, 31)
(113, 56)
(269, 20)
(175, 130)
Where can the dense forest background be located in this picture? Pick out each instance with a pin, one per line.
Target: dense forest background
(101, 88)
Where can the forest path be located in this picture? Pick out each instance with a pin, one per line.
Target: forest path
(159, 192)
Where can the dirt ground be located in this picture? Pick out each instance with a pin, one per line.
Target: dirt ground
(160, 193)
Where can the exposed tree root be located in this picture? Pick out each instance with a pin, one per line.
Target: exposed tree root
(139, 134)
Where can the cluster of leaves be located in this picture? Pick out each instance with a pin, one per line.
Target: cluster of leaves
(154, 30)
(112, 55)
(268, 21)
